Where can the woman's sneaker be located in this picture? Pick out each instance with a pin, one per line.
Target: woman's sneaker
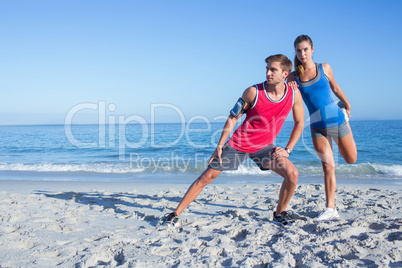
(171, 219)
(328, 214)
(282, 218)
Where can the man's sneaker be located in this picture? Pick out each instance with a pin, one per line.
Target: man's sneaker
(328, 214)
(282, 218)
(171, 219)
(343, 109)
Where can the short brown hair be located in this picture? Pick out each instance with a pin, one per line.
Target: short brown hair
(286, 64)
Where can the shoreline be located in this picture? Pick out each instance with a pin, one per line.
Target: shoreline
(123, 182)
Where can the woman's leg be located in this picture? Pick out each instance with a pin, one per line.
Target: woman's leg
(323, 147)
(347, 147)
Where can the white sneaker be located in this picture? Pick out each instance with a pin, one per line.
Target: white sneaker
(342, 106)
(328, 214)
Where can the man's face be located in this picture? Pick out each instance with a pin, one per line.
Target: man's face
(275, 75)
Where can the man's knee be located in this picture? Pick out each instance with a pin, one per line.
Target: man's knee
(207, 177)
(293, 176)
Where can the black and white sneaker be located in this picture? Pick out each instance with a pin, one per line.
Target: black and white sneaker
(282, 218)
(170, 219)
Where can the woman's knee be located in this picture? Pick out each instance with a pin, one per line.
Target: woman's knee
(327, 168)
(351, 158)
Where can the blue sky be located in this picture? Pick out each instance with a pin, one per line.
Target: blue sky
(185, 58)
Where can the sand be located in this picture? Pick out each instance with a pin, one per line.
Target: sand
(73, 224)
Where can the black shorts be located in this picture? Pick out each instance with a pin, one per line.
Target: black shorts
(232, 158)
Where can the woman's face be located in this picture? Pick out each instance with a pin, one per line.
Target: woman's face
(304, 51)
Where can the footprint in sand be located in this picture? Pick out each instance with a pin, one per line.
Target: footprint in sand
(377, 226)
(240, 235)
(12, 228)
(395, 236)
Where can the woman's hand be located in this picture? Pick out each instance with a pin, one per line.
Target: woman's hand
(293, 85)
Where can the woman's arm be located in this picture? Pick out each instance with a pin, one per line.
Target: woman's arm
(335, 87)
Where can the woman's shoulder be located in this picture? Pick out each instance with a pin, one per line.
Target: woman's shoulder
(327, 69)
(325, 66)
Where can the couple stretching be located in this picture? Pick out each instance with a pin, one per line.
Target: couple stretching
(266, 106)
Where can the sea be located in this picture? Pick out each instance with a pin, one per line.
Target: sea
(179, 153)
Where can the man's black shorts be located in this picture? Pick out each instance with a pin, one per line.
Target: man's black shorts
(232, 158)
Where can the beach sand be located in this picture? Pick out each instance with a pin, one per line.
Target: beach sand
(103, 224)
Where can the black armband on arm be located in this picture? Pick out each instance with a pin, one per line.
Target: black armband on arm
(238, 108)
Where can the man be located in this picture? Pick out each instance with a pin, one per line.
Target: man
(267, 106)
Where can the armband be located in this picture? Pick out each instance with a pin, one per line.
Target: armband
(238, 108)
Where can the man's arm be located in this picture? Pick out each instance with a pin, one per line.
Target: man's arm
(298, 118)
(249, 97)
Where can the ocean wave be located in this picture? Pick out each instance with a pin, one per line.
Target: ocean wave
(52, 167)
(304, 168)
(391, 170)
(315, 169)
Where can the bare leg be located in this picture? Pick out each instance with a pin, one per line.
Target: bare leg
(330, 184)
(288, 171)
(195, 189)
(347, 147)
(323, 147)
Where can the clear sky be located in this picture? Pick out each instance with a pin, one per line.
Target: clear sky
(185, 58)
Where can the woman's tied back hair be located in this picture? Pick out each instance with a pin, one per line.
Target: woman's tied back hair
(299, 69)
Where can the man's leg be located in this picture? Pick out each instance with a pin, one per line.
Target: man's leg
(195, 189)
(290, 175)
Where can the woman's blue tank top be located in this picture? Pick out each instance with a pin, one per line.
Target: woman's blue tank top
(316, 93)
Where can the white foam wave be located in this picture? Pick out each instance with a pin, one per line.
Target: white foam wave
(51, 167)
(244, 170)
(313, 168)
(391, 170)
(362, 169)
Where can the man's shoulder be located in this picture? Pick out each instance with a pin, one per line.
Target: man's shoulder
(257, 86)
(252, 89)
(249, 95)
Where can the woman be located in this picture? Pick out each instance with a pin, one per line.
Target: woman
(327, 120)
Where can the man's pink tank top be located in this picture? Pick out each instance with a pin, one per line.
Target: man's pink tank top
(263, 121)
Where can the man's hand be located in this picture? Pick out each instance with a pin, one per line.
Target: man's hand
(279, 152)
(216, 154)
